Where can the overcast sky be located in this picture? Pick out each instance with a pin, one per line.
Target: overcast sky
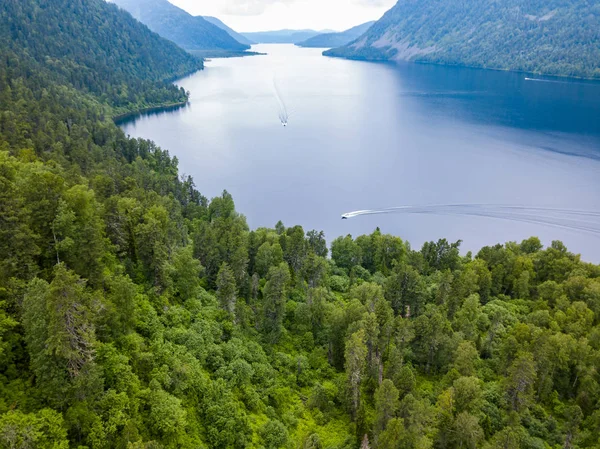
(262, 15)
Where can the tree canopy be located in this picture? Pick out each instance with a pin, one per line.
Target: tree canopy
(136, 313)
(552, 37)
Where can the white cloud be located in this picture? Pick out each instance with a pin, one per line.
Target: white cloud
(247, 7)
(261, 15)
(375, 3)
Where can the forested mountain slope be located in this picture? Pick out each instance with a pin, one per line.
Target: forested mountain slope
(175, 24)
(92, 47)
(134, 313)
(329, 40)
(237, 36)
(555, 37)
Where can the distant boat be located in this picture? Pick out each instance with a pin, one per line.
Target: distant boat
(541, 80)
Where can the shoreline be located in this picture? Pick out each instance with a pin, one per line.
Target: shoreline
(223, 54)
(464, 66)
(127, 116)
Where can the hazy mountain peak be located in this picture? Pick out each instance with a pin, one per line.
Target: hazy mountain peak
(237, 36)
(173, 23)
(328, 40)
(282, 36)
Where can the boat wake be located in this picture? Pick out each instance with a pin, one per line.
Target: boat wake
(283, 111)
(575, 220)
(541, 80)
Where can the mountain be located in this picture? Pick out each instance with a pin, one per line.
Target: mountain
(135, 313)
(175, 24)
(94, 48)
(329, 40)
(281, 36)
(554, 37)
(237, 36)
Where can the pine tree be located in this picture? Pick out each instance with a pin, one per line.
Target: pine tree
(226, 289)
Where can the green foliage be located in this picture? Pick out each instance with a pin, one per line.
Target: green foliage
(44, 430)
(275, 294)
(135, 313)
(274, 434)
(355, 355)
(226, 289)
(553, 37)
(79, 46)
(386, 405)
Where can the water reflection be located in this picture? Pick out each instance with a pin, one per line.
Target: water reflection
(126, 119)
(368, 136)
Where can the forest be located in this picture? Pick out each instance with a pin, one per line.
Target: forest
(551, 37)
(94, 48)
(135, 313)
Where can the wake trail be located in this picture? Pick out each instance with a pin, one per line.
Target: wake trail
(283, 112)
(439, 207)
(570, 219)
(537, 220)
(539, 80)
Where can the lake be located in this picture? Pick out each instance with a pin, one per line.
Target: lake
(367, 135)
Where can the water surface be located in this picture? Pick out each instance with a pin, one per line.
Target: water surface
(365, 136)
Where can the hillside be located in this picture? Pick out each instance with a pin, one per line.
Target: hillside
(329, 40)
(135, 313)
(237, 36)
(94, 48)
(554, 37)
(175, 24)
(281, 36)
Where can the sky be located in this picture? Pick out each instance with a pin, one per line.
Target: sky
(264, 15)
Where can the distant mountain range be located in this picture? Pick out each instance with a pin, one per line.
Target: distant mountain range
(123, 313)
(282, 36)
(234, 34)
(554, 37)
(175, 24)
(329, 40)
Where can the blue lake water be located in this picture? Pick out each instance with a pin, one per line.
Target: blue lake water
(366, 135)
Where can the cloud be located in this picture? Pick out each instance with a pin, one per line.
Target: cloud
(375, 3)
(247, 7)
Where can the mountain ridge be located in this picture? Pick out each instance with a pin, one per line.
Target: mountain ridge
(98, 50)
(552, 38)
(234, 34)
(187, 31)
(135, 313)
(284, 36)
(328, 40)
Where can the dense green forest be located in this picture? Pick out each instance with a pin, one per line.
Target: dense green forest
(187, 31)
(329, 40)
(92, 47)
(553, 37)
(135, 313)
